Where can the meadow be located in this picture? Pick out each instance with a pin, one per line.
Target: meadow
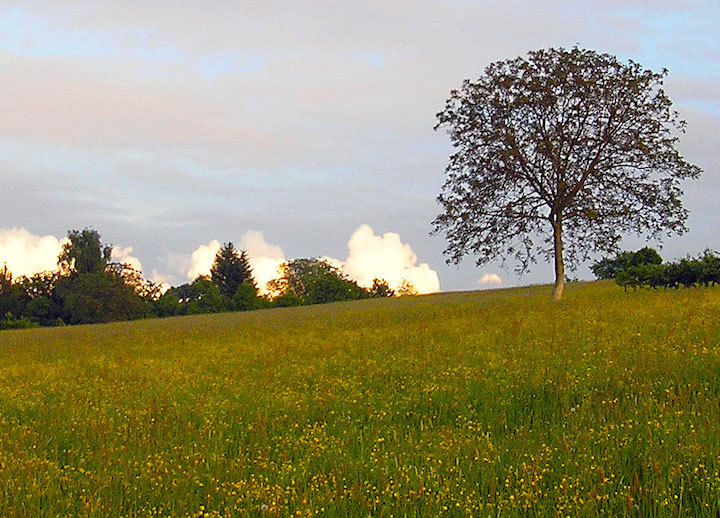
(498, 403)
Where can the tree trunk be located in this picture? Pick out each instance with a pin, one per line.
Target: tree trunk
(559, 264)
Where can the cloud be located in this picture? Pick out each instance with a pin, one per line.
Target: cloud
(27, 254)
(265, 259)
(122, 255)
(385, 257)
(490, 279)
(201, 260)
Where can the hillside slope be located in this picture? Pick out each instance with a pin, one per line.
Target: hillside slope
(465, 403)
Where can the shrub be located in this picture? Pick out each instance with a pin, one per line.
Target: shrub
(246, 298)
(688, 272)
(286, 300)
(10, 322)
(609, 268)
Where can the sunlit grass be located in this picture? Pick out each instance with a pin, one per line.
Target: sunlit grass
(482, 404)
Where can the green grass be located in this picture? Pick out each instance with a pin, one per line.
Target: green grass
(484, 404)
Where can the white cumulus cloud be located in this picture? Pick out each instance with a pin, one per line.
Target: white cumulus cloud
(201, 260)
(164, 281)
(490, 279)
(123, 255)
(265, 259)
(26, 254)
(386, 257)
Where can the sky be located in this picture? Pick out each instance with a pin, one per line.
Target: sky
(298, 129)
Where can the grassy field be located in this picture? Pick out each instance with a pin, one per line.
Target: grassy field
(484, 404)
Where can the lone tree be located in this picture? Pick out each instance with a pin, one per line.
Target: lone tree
(84, 252)
(558, 154)
(230, 269)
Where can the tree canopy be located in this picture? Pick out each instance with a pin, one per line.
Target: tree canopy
(608, 268)
(230, 269)
(315, 281)
(84, 252)
(90, 287)
(557, 155)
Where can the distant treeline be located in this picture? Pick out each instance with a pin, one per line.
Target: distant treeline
(645, 268)
(88, 287)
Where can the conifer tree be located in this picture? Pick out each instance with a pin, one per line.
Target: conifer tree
(231, 269)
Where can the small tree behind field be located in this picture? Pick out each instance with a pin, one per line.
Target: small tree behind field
(610, 267)
(407, 288)
(84, 252)
(231, 269)
(315, 281)
(381, 288)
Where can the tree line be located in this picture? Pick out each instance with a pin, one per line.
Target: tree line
(646, 269)
(88, 287)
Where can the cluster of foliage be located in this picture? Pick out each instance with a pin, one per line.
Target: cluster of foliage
(315, 281)
(88, 287)
(496, 404)
(609, 267)
(645, 268)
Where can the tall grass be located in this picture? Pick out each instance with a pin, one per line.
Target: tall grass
(485, 404)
